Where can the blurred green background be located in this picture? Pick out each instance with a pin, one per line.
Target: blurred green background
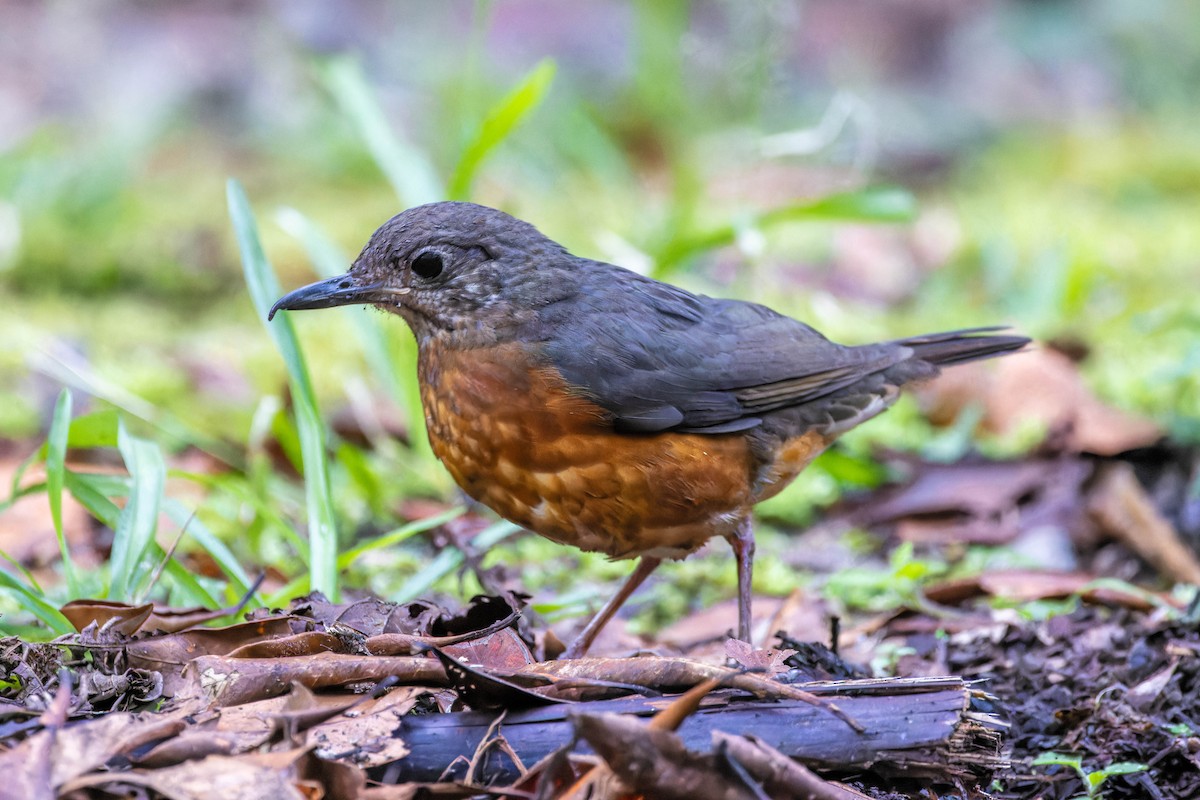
(877, 169)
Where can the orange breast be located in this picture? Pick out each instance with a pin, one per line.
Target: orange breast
(519, 441)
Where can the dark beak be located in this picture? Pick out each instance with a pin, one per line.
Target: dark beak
(341, 290)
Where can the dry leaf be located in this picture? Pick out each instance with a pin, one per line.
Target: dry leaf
(245, 777)
(368, 735)
(1043, 386)
(768, 660)
(225, 681)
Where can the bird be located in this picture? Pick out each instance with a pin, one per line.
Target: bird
(610, 411)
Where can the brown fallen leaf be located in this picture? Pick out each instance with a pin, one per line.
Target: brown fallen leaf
(298, 644)
(602, 781)
(146, 618)
(169, 654)
(767, 660)
(39, 769)
(1144, 694)
(202, 740)
(107, 615)
(1022, 586)
(244, 777)
(80, 748)
(1123, 509)
(373, 617)
(1043, 386)
(702, 634)
(496, 645)
(984, 502)
(302, 710)
(653, 763)
(781, 777)
(225, 681)
(368, 735)
(250, 726)
(503, 649)
(484, 689)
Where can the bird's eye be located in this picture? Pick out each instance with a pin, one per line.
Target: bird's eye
(427, 264)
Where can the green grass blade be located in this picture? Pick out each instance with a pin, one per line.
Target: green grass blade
(451, 559)
(325, 254)
(264, 289)
(15, 491)
(56, 467)
(21, 568)
(256, 501)
(97, 429)
(296, 587)
(409, 170)
(398, 370)
(397, 536)
(36, 604)
(870, 204)
(442, 565)
(89, 490)
(138, 521)
(70, 371)
(185, 589)
(220, 553)
(499, 123)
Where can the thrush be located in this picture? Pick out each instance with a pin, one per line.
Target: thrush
(606, 410)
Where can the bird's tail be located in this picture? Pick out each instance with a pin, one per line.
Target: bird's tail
(959, 347)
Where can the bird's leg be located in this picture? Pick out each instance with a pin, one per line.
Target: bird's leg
(583, 641)
(742, 542)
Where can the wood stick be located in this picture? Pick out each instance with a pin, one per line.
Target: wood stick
(915, 727)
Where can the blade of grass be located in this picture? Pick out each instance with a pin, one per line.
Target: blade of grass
(56, 466)
(451, 559)
(500, 121)
(21, 568)
(97, 429)
(138, 521)
(296, 587)
(256, 500)
(36, 604)
(398, 370)
(220, 553)
(409, 170)
(870, 204)
(397, 536)
(29, 633)
(90, 493)
(16, 492)
(185, 589)
(69, 370)
(23, 491)
(264, 288)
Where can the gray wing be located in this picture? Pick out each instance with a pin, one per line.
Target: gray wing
(661, 358)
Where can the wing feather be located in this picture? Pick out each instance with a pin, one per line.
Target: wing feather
(663, 358)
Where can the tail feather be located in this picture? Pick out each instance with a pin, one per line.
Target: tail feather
(959, 347)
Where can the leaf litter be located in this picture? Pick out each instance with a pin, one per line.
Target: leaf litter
(1073, 670)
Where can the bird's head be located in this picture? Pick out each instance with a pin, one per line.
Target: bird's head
(454, 270)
